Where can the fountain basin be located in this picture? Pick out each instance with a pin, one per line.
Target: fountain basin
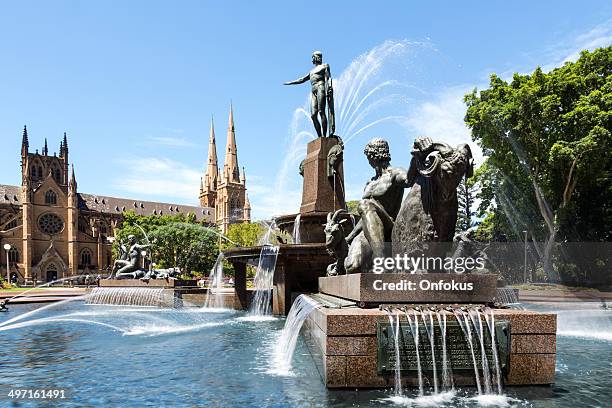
(174, 292)
(344, 344)
(153, 283)
(298, 268)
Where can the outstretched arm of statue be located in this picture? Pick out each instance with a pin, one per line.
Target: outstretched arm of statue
(299, 80)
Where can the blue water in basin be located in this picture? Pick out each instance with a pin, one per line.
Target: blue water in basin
(113, 356)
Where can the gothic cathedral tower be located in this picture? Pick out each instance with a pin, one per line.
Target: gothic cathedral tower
(225, 190)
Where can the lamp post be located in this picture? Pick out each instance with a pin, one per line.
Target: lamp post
(525, 269)
(7, 248)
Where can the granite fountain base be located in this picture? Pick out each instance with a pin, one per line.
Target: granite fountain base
(346, 339)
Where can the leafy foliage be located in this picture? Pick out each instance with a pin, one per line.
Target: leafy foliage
(465, 196)
(548, 138)
(191, 247)
(244, 234)
(178, 240)
(351, 206)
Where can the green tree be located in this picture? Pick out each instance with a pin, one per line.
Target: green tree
(351, 206)
(244, 234)
(179, 240)
(552, 132)
(191, 247)
(465, 197)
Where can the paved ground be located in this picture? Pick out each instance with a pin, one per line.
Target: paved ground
(559, 295)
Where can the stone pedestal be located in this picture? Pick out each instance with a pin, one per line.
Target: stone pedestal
(153, 283)
(321, 193)
(343, 343)
(374, 289)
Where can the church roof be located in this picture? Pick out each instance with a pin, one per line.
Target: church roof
(114, 205)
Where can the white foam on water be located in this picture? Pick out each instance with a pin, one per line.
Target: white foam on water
(256, 318)
(432, 400)
(158, 330)
(281, 371)
(400, 400)
(213, 310)
(493, 400)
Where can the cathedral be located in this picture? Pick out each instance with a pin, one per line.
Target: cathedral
(225, 189)
(54, 231)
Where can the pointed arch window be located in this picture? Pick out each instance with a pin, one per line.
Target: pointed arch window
(14, 255)
(50, 197)
(57, 175)
(40, 173)
(86, 257)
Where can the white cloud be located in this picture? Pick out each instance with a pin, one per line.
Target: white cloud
(160, 177)
(441, 118)
(569, 50)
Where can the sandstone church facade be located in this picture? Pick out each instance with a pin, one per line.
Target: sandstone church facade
(55, 231)
(225, 188)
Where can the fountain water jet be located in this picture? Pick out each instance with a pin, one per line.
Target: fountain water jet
(447, 375)
(264, 276)
(479, 330)
(285, 346)
(296, 229)
(414, 329)
(428, 323)
(490, 319)
(214, 295)
(507, 296)
(126, 296)
(464, 323)
(394, 321)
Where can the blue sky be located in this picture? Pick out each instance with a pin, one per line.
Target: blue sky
(134, 84)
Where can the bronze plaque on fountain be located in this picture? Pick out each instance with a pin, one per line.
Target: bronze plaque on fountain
(459, 355)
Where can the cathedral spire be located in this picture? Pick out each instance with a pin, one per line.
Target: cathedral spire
(210, 178)
(231, 168)
(73, 182)
(25, 143)
(45, 150)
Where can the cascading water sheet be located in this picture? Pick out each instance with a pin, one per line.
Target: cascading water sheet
(262, 300)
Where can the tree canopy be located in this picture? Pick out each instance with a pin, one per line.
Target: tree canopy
(245, 234)
(178, 240)
(547, 136)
